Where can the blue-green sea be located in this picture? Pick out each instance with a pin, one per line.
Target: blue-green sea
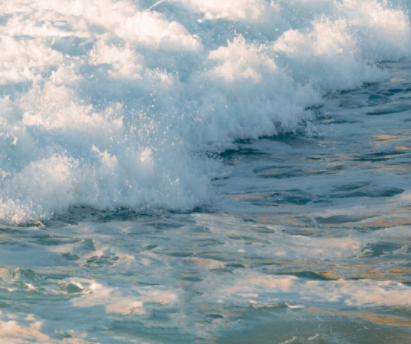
(205, 172)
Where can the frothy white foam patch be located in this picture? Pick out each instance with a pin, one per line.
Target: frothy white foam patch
(278, 244)
(111, 104)
(154, 30)
(249, 10)
(21, 59)
(124, 62)
(249, 287)
(25, 329)
(119, 300)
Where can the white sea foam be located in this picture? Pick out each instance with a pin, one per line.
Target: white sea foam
(25, 329)
(262, 290)
(111, 103)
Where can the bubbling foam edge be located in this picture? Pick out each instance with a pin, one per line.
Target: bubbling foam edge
(113, 104)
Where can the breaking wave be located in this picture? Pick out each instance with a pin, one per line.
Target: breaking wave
(110, 104)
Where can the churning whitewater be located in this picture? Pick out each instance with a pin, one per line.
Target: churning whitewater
(205, 171)
(111, 104)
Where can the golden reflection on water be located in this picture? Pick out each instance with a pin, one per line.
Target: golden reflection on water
(379, 319)
(306, 220)
(352, 267)
(398, 135)
(388, 223)
(368, 274)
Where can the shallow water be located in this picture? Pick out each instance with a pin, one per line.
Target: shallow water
(205, 171)
(308, 243)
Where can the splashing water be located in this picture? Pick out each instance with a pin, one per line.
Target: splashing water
(193, 171)
(114, 104)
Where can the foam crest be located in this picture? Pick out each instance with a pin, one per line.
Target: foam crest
(152, 29)
(249, 10)
(118, 103)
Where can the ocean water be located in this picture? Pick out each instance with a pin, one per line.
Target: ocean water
(202, 171)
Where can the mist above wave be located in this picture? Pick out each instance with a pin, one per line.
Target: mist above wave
(116, 103)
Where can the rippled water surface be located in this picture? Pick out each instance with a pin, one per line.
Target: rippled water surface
(309, 242)
(205, 171)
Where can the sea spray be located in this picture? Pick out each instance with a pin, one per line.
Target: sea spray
(113, 104)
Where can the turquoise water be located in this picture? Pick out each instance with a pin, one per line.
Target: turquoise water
(204, 171)
(309, 242)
